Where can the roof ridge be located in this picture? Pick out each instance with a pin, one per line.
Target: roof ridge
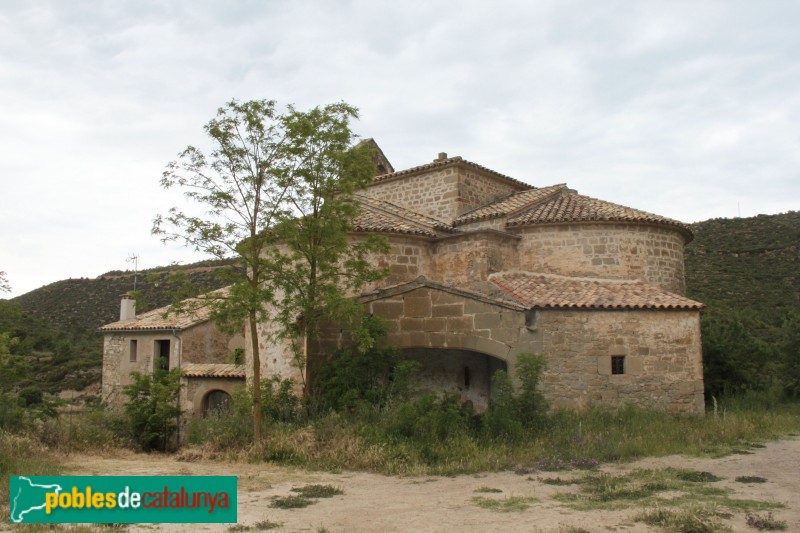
(445, 162)
(470, 216)
(552, 291)
(584, 203)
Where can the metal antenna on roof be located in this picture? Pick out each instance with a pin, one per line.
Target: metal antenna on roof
(134, 258)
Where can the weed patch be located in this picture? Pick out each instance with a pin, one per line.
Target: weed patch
(558, 481)
(696, 477)
(666, 487)
(290, 502)
(318, 491)
(765, 523)
(751, 479)
(487, 490)
(690, 520)
(506, 505)
(263, 525)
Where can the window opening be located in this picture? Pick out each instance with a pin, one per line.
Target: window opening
(466, 377)
(161, 354)
(132, 351)
(617, 364)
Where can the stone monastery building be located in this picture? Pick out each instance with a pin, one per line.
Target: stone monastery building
(484, 267)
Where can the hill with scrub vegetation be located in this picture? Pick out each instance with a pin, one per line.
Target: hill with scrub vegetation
(746, 271)
(56, 325)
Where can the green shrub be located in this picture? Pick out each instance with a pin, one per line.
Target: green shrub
(512, 412)
(152, 407)
(352, 380)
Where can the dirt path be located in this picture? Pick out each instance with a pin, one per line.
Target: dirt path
(432, 504)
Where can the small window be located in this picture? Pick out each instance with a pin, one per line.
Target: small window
(617, 364)
(466, 377)
(132, 351)
(161, 354)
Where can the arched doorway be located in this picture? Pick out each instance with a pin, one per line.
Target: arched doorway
(216, 401)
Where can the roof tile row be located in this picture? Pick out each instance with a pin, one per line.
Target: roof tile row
(550, 291)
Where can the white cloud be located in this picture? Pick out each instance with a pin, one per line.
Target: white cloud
(687, 109)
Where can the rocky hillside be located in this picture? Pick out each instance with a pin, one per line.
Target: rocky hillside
(86, 304)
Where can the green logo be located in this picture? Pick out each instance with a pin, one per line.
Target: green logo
(122, 499)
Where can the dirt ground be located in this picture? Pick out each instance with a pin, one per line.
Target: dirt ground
(374, 502)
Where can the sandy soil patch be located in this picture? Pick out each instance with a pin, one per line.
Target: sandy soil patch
(374, 502)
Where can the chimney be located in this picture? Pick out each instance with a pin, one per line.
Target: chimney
(442, 156)
(127, 308)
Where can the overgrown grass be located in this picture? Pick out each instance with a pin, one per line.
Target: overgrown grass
(693, 519)
(22, 455)
(454, 443)
(765, 523)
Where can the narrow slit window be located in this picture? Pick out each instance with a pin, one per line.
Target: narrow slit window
(617, 364)
(132, 349)
(466, 377)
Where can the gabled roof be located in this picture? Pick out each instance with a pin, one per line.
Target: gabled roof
(213, 370)
(450, 161)
(386, 217)
(166, 318)
(382, 163)
(573, 207)
(501, 299)
(550, 291)
(510, 204)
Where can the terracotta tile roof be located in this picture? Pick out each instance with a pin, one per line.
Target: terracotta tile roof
(439, 163)
(573, 207)
(510, 204)
(156, 321)
(381, 216)
(212, 370)
(550, 291)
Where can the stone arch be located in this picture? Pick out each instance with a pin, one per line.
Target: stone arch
(427, 315)
(216, 400)
(457, 372)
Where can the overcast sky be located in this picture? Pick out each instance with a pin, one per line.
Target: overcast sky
(687, 109)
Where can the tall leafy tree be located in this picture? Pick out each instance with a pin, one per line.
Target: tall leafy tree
(316, 266)
(277, 192)
(5, 286)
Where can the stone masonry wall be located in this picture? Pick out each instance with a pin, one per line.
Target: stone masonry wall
(443, 193)
(468, 259)
(117, 365)
(476, 189)
(663, 359)
(433, 193)
(407, 259)
(430, 318)
(623, 251)
(204, 343)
